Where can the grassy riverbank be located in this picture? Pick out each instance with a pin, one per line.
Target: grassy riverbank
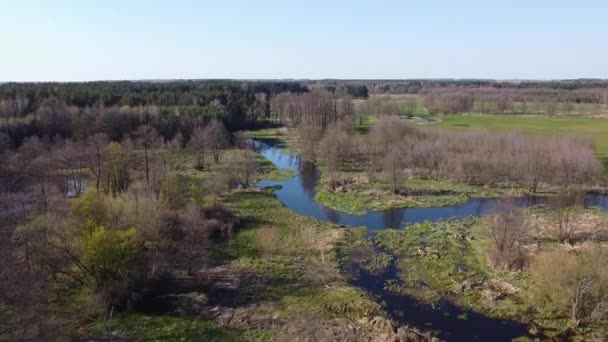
(377, 194)
(360, 193)
(285, 283)
(447, 261)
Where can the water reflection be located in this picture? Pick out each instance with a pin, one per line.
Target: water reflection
(392, 218)
(332, 215)
(309, 177)
(447, 320)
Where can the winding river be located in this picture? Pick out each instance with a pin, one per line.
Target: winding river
(298, 194)
(447, 320)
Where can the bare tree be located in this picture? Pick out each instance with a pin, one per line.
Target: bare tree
(217, 138)
(334, 150)
(218, 183)
(197, 146)
(196, 233)
(394, 163)
(71, 159)
(244, 166)
(95, 155)
(564, 207)
(147, 138)
(508, 231)
(309, 135)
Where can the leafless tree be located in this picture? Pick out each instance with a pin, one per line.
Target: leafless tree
(71, 159)
(197, 146)
(196, 233)
(394, 164)
(218, 183)
(508, 231)
(217, 138)
(564, 207)
(334, 150)
(147, 138)
(95, 155)
(309, 136)
(244, 166)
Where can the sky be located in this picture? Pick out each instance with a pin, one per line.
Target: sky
(80, 40)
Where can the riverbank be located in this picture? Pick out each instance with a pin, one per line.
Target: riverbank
(277, 277)
(436, 275)
(354, 191)
(283, 275)
(441, 269)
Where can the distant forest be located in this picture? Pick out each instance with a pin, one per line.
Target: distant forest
(75, 110)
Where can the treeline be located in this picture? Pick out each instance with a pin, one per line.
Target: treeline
(489, 100)
(414, 86)
(396, 150)
(139, 93)
(75, 110)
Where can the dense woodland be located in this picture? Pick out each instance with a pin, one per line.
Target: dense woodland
(117, 108)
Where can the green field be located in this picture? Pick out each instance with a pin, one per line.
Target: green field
(596, 128)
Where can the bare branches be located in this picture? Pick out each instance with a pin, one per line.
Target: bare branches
(483, 157)
(508, 232)
(574, 282)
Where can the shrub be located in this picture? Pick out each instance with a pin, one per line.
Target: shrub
(575, 283)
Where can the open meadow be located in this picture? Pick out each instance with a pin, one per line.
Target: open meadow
(597, 129)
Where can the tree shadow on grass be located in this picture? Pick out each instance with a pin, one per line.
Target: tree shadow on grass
(223, 288)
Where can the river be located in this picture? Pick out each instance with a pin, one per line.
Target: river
(446, 319)
(298, 194)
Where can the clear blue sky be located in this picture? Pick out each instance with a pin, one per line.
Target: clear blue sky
(99, 40)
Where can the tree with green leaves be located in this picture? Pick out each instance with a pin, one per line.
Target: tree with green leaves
(116, 178)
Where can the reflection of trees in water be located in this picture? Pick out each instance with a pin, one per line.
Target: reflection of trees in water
(332, 215)
(309, 176)
(392, 218)
(600, 201)
(496, 205)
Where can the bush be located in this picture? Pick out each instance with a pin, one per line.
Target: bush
(109, 259)
(575, 283)
(508, 232)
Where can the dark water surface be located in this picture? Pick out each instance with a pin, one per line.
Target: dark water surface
(446, 320)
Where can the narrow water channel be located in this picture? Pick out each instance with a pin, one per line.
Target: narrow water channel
(447, 320)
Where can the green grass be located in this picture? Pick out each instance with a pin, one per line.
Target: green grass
(289, 263)
(596, 128)
(430, 278)
(346, 302)
(140, 327)
(461, 246)
(285, 138)
(296, 254)
(377, 195)
(272, 173)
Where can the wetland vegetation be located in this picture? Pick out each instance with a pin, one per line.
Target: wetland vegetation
(302, 211)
